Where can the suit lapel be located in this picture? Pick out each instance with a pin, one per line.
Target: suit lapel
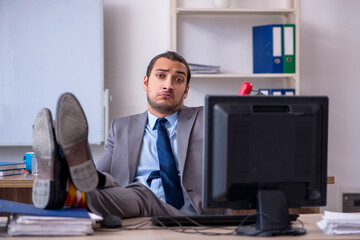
(185, 123)
(136, 128)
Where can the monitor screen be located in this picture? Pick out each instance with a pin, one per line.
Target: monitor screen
(257, 147)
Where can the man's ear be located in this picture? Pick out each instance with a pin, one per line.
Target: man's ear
(145, 83)
(186, 91)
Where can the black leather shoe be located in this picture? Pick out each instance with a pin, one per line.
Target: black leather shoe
(49, 189)
(71, 134)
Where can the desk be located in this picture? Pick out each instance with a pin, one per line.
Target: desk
(17, 188)
(157, 233)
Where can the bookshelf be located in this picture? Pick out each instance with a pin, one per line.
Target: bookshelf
(186, 14)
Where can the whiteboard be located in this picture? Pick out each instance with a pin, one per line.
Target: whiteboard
(48, 47)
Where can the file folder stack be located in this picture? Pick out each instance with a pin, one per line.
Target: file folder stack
(31, 221)
(274, 48)
(201, 68)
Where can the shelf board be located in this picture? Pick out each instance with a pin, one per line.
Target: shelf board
(250, 75)
(233, 11)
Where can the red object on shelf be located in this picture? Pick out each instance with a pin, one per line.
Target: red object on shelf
(245, 89)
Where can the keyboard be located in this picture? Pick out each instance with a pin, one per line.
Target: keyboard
(219, 220)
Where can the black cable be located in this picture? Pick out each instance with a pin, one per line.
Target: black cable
(200, 228)
(203, 230)
(258, 92)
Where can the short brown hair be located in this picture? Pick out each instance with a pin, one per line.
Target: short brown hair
(172, 56)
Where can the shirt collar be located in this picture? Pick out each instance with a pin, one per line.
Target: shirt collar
(171, 118)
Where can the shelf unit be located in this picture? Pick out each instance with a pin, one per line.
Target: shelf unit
(289, 12)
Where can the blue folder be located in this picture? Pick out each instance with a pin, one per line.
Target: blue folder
(29, 209)
(267, 49)
(289, 91)
(277, 91)
(265, 91)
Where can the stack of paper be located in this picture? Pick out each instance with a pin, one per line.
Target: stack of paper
(340, 223)
(200, 68)
(29, 220)
(11, 168)
(30, 225)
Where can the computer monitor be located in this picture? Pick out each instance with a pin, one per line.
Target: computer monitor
(267, 153)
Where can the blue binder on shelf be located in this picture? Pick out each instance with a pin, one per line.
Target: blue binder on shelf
(277, 91)
(265, 91)
(289, 91)
(267, 49)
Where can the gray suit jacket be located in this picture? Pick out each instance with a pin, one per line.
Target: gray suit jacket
(122, 151)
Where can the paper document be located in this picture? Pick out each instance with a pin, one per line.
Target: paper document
(25, 225)
(201, 68)
(340, 223)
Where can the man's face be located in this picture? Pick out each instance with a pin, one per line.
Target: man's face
(166, 87)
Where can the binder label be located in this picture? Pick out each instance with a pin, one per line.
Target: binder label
(288, 41)
(277, 41)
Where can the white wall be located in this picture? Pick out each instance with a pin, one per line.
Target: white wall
(135, 31)
(330, 65)
(330, 35)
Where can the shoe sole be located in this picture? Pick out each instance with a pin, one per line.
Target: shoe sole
(71, 135)
(44, 148)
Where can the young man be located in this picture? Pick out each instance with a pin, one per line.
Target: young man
(152, 164)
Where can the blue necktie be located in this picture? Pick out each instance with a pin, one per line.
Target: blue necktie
(168, 171)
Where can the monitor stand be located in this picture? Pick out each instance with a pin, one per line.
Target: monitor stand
(272, 216)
